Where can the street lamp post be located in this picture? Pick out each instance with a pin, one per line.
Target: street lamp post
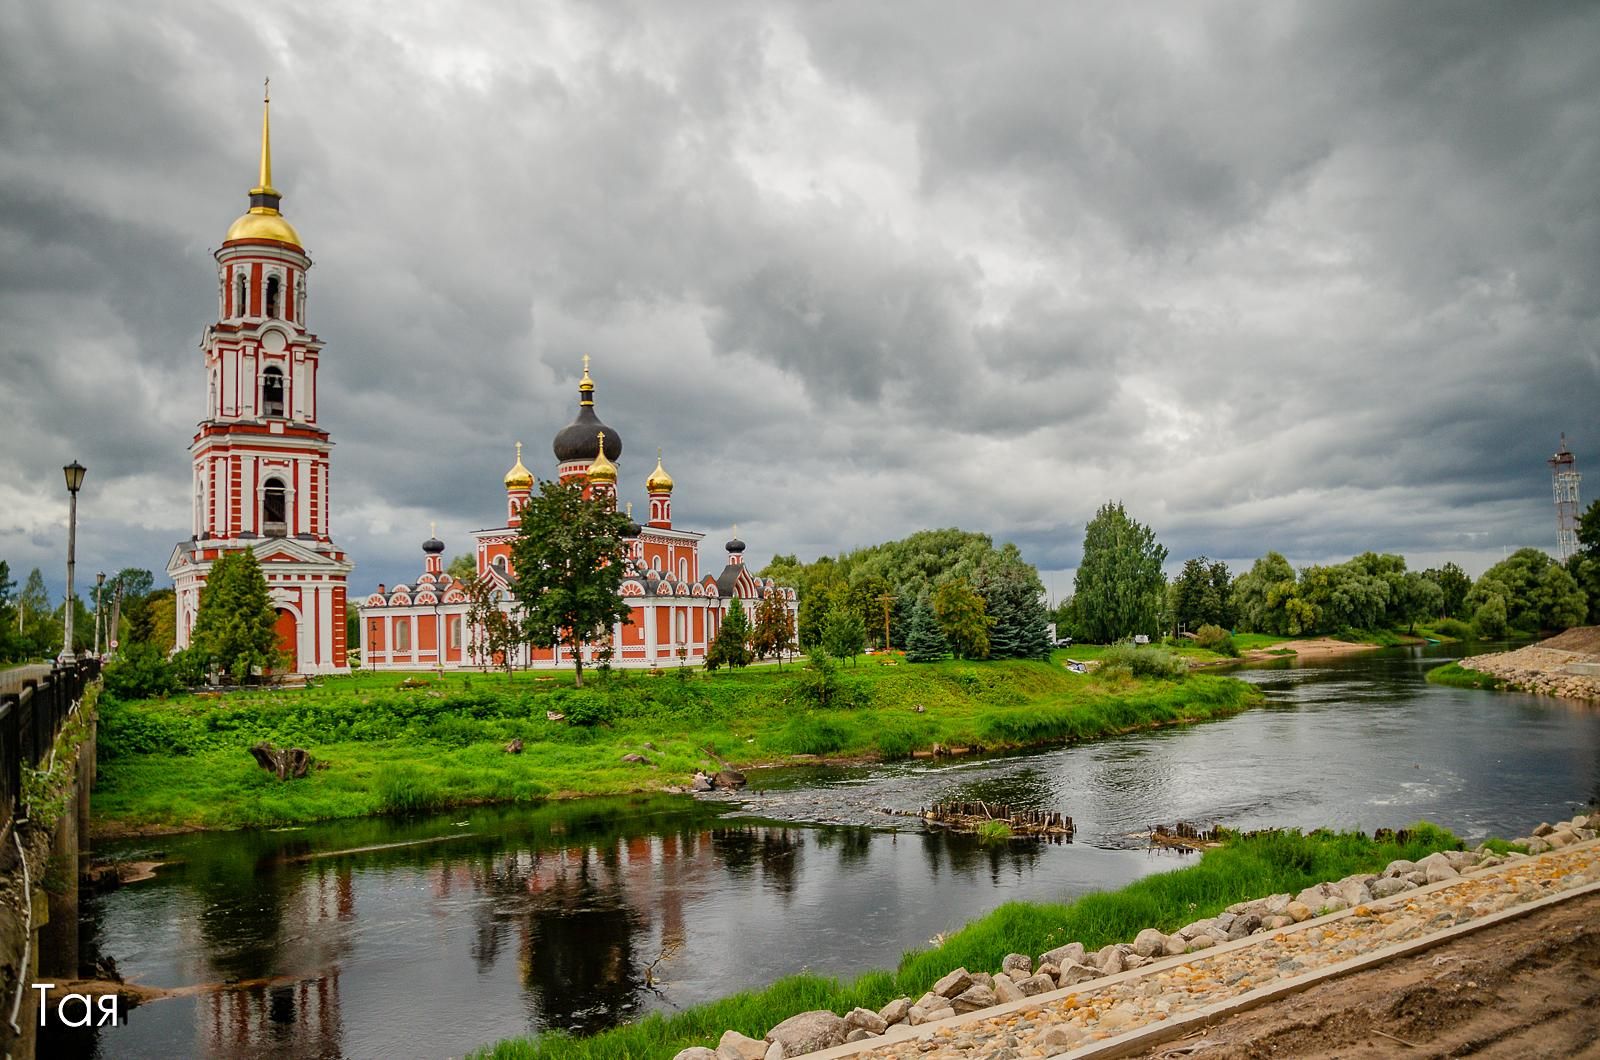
(74, 475)
(99, 584)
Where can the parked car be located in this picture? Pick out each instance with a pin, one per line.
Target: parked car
(1063, 642)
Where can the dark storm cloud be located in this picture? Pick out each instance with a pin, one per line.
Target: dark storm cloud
(1315, 277)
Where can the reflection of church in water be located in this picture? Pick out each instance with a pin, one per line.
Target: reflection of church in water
(673, 607)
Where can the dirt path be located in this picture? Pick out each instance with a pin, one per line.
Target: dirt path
(1527, 988)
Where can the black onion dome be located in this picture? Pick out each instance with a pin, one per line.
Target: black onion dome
(579, 440)
(735, 546)
(632, 531)
(433, 546)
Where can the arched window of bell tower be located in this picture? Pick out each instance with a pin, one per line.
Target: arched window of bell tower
(238, 294)
(272, 392)
(274, 509)
(273, 284)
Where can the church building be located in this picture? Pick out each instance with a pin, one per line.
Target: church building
(262, 461)
(675, 609)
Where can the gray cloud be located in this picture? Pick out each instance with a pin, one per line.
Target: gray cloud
(1313, 277)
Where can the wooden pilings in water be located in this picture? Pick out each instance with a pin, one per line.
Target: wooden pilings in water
(970, 816)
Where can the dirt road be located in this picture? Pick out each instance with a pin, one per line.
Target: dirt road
(1528, 988)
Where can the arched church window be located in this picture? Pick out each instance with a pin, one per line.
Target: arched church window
(273, 284)
(272, 392)
(238, 295)
(683, 570)
(275, 509)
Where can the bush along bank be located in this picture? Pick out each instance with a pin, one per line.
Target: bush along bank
(1281, 864)
(386, 743)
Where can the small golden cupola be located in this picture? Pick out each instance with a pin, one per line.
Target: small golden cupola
(519, 477)
(659, 481)
(602, 469)
(262, 220)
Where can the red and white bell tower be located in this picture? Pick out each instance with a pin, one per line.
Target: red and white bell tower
(261, 461)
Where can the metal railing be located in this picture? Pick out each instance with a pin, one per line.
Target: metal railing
(30, 719)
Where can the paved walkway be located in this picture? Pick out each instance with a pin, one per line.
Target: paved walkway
(1125, 1013)
(11, 680)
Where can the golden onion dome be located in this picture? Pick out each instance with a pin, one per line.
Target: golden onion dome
(519, 477)
(263, 224)
(659, 481)
(262, 220)
(602, 469)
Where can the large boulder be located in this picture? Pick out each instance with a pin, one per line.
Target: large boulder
(1073, 973)
(1005, 989)
(895, 1011)
(1388, 887)
(695, 1052)
(1036, 984)
(1437, 867)
(808, 1031)
(1150, 943)
(1072, 951)
(1109, 959)
(729, 779)
(952, 984)
(1019, 965)
(736, 1046)
(865, 1019)
(975, 997)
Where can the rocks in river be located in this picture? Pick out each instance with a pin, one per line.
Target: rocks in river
(729, 779)
(808, 1031)
(736, 1046)
(701, 782)
(952, 984)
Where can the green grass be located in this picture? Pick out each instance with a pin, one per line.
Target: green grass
(1457, 676)
(990, 832)
(383, 748)
(1241, 870)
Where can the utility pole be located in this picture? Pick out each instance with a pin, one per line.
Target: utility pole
(886, 598)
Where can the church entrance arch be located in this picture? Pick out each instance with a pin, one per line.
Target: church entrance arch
(287, 629)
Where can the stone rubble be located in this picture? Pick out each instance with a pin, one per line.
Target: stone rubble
(1095, 1012)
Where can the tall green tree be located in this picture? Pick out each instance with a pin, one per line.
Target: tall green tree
(1202, 594)
(1417, 599)
(731, 645)
(1268, 599)
(1013, 598)
(773, 633)
(10, 635)
(1119, 584)
(924, 641)
(234, 628)
(568, 557)
(1536, 592)
(41, 633)
(844, 633)
(962, 619)
(1454, 585)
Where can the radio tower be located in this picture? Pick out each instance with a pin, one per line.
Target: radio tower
(1564, 478)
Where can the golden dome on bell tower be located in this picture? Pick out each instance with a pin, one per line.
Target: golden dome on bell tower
(262, 220)
(601, 469)
(519, 477)
(659, 481)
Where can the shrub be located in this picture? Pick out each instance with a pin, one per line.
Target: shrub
(585, 707)
(141, 671)
(819, 680)
(1217, 639)
(1143, 662)
(1453, 628)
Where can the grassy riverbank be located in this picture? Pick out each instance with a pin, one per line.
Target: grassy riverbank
(1242, 870)
(387, 743)
(1457, 676)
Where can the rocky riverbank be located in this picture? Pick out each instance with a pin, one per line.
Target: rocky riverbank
(1566, 665)
(1128, 1002)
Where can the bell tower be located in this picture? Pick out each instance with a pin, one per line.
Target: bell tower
(262, 460)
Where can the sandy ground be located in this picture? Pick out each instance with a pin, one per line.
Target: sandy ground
(1312, 646)
(1529, 988)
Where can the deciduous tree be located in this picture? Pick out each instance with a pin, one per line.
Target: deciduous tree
(1119, 584)
(1454, 585)
(962, 619)
(773, 634)
(568, 557)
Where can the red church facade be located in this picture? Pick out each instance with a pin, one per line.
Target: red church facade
(675, 609)
(262, 461)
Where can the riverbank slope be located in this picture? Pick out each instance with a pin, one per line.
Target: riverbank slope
(386, 743)
(1566, 665)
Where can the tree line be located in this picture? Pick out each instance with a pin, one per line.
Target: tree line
(32, 626)
(1120, 590)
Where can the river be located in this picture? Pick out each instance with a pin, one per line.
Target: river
(433, 936)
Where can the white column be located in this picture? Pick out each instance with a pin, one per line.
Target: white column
(302, 498)
(325, 610)
(650, 633)
(388, 638)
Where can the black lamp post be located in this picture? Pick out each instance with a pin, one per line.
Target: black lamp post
(74, 475)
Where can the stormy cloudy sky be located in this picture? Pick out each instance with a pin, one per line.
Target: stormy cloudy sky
(1317, 277)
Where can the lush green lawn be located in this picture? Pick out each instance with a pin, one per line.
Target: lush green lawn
(1458, 676)
(1243, 870)
(392, 742)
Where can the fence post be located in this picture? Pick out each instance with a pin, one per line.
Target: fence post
(10, 714)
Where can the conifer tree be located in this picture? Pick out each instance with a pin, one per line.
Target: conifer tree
(234, 627)
(731, 646)
(924, 642)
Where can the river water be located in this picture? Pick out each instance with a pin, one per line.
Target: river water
(433, 936)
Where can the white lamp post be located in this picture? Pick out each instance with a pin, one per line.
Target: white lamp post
(74, 475)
